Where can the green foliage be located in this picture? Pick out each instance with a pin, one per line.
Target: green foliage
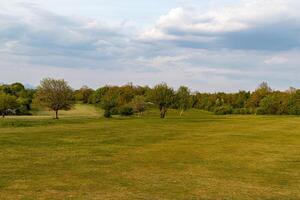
(162, 96)
(23, 97)
(183, 99)
(55, 95)
(84, 94)
(138, 104)
(109, 101)
(113, 98)
(223, 110)
(107, 113)
(261, 92)
(294, 103)
(8, 104)
(126, 111)
(98, 94)
(268, 105)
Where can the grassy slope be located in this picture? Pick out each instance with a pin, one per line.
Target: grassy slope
(198, 156)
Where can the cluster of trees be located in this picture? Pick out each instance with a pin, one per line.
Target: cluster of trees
(15, 99)
(262, 101)
(129, 99)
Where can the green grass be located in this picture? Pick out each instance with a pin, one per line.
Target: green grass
(198, 156)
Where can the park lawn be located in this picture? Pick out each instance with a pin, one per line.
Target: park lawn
(197, 156)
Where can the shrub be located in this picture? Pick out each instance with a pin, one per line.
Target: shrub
(241, 111)
(107, 114)
(114, 111)
(269, 105)
(223, 110)
(260, 111)
(126, 111)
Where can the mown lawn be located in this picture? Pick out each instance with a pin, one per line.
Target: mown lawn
(197, 156)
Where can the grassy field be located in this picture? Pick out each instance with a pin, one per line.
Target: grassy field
(197, 156)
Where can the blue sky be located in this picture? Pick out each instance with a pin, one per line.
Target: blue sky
(217, 45)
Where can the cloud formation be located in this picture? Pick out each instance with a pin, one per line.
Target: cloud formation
(224, 49)
(271, 25)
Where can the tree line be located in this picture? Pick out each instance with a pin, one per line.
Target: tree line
(130, 99)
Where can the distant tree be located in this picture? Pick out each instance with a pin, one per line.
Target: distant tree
(183, 96)
(7, 102)
(240, 99)
(55, 95)
(109, 101)
(127, 93)
(5, 89)
(98, 94)
(138, 104)
(261, 92)
(162, 96)
(17, 89)
(269, 105)
(84, 94)
(294, 103)
(223, 110)
(126, 110)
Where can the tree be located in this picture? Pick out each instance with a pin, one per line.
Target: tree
(183, 96)
(7, 102)
(138, 104)
(17, 89)
(162, 96)
(294, 103)
(98, 94)
(109, 101)
(261, 92)
(55, 95)
(84, 94)
(268, 105)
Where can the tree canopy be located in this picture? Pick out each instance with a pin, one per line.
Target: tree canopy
(55, 95)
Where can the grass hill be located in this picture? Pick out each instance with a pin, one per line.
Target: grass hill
(196, 156)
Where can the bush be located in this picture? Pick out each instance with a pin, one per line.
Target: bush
(107, 114)
(223, 110)
(261, 111)
(114, 111)
(269, 105)
(241, 111)
(126, 111)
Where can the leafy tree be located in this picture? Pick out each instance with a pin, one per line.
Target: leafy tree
(223, 110)
(84, 94)
(17, 89)
(183, 99)
(126, 110)
(261, 92)
(240, 99)
(55, 95)
(294, 103)
(138, 104)
(98, 94)
(7, 102)
(162, 96)
(109, 101)
(269, 105)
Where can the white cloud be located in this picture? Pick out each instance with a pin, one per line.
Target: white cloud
(250, 24)
(223, 49)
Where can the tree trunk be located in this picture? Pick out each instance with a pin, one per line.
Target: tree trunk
(56, 114)
(3, 115)
(181, 112)
(163, 113)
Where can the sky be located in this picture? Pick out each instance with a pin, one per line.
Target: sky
(207, 45)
